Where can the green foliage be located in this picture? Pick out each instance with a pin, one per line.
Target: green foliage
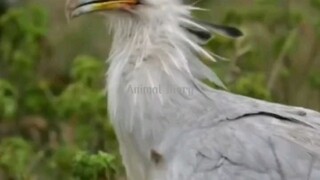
(59, 124)
(252, 85)
(84, 93)
(15, 157)
(8, 103)
(86, 69)
(18, 49)
(62, 160)
(315, 3)
(94, 166)
(279, 55)
(315, 80)
(23, 31)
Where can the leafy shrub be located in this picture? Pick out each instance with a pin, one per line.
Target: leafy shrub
(15, 157)
(93, 167)
(58, 126)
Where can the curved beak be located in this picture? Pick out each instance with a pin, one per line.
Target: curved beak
(75, 8)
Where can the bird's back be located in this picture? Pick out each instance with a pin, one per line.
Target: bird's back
(243, 139)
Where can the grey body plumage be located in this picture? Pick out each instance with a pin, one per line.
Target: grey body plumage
(202, 133)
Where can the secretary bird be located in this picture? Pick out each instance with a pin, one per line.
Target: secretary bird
(168, 133)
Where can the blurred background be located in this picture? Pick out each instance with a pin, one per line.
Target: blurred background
(53, 116)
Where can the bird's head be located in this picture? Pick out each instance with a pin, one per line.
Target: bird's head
(128, 14)
(160, 31)
(142, 8)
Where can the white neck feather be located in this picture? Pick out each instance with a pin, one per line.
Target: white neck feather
(152, 53)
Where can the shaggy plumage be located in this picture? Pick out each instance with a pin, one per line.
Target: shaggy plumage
(171, 126)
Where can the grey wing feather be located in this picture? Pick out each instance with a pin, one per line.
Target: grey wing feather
(282, 145)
